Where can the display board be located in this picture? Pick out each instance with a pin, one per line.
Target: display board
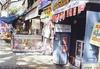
(23, 43)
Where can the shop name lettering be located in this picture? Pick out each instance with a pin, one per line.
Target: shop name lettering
(60, 3)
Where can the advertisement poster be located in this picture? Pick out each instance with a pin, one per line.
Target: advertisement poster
(61, 47)
(23, 43)
(95, 37)
(61, 43)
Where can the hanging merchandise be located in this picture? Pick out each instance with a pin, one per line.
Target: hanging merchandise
(46, 14)
(70, 12)
(81, 8)
(74, 11)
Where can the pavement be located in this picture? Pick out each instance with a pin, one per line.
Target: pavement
(11, 60)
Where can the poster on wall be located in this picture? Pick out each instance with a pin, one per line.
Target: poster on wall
(95, 37)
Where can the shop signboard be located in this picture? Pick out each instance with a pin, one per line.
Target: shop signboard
(63, 5)
(47, 12)
(62, 28)
(32, 14)
(59, 5)
(24, 43)
(95, 37)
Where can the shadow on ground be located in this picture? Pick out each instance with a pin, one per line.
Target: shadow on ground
(41, 66)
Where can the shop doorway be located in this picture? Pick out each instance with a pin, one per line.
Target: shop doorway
(77, 33)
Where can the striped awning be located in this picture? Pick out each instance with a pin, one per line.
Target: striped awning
(71, 9)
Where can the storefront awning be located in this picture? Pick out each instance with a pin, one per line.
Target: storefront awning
(32, 14)
(71, 9)
(10, 19)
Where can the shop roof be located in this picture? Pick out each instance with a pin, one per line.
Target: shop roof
(8, 19)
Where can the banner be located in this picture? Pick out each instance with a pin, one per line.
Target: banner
(95, 37)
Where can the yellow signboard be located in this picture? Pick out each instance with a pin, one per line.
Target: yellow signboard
(59, 3)
(95, 37)
(48, 11)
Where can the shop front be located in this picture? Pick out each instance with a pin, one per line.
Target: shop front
(27, 35)
(73, 15)
(83, 17)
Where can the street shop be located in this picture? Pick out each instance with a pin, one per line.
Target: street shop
(6, 26)
(83, 46)
(31, 41)
(5, 30)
